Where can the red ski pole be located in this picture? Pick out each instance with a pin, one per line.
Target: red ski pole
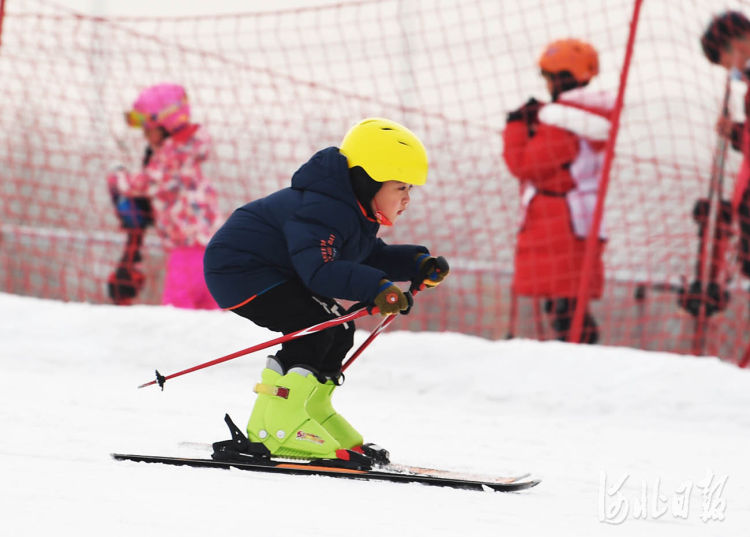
(442, 266)
(378, 329)
(161, 379)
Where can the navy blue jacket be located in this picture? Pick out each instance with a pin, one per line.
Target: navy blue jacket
(315, 231)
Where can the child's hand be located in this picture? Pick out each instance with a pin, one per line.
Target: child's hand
(724, 126)
(431, 271)
(112, 182)
(390, 299)
(529, 114)
(113, 178)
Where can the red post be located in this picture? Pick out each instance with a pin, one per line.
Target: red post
(2, 16)
(588, 260)
(709, 234)
(745, 360)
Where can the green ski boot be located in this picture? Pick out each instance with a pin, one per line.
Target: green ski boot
(269, 377)
(320, 409)
(280, 420)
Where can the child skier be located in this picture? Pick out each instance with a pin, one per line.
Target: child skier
(281, 261)
(726, 42)
(556, 152)
(183, 200)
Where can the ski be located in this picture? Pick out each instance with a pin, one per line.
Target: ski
(396, 468)
(394, 473)
(370, 463)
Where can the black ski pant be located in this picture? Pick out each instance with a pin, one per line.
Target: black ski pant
(562, 310)
(291, 306)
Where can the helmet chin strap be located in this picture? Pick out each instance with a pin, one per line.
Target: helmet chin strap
(380, 217)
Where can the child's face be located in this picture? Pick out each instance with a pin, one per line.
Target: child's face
(550, 84)
(154, 136)
(736, 55)
(391, 200)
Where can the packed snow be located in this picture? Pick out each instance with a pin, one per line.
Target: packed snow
(605, 428)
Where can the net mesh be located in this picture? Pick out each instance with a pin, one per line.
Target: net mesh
(274, 87)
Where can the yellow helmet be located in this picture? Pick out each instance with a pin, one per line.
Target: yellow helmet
(386, 150)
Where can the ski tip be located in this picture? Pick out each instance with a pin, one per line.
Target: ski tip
(515, 486)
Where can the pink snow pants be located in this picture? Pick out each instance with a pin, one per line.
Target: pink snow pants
(184, 285)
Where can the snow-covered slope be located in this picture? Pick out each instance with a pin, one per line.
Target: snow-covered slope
(582, 418)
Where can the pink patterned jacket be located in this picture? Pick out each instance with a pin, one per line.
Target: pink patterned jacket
(183, 200)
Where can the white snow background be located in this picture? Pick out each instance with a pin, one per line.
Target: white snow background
(582, 418)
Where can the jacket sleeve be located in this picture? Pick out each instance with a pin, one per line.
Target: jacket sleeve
(315, 237)
(170, 169)
(541, 158)
(156, 176)
(398, 260)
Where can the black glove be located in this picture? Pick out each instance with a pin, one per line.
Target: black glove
(431, 271)
(528, 114)
(133, 212)
(390, 299)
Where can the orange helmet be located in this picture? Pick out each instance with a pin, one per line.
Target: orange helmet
(573, 55)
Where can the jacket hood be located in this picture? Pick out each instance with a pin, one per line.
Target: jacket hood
(327, 173)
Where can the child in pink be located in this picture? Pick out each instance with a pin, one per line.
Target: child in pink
(183, 200)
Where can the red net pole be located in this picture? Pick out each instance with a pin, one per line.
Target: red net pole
(593, 236)
(2, 16)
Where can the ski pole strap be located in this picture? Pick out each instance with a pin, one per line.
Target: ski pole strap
(268, 389)
(356, 307)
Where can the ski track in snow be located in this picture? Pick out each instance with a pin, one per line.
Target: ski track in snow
(572, 415)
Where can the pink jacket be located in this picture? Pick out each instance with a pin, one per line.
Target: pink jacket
(183, 200)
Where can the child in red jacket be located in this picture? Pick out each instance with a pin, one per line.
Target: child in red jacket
(556, 151)
(726, 42)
